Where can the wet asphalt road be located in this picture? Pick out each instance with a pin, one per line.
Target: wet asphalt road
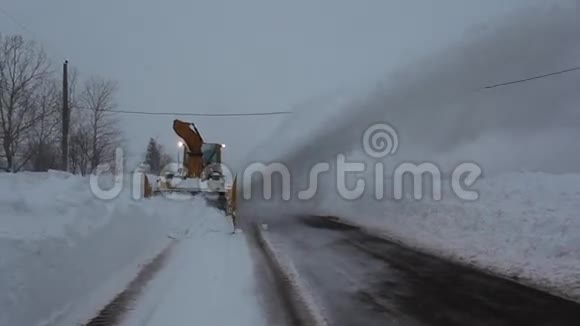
(359, 279)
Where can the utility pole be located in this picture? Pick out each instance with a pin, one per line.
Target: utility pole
(65, 116)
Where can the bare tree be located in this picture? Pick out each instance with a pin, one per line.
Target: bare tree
(43, 139)
(30, 113)
(80, 148)
(23, 69)
(96, 134)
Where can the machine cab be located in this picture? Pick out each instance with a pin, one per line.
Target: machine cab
(212, 159)
(211, 153)
(212, 171)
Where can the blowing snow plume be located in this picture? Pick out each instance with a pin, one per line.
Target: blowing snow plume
(444, 111)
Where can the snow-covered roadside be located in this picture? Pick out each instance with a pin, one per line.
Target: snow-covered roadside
(303, 302)
(65, 253)
(525, 226)
(207, 280)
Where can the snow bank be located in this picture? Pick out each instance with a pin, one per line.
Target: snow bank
(524, 137)
(524, 226)
(64, 252)
(303, 302)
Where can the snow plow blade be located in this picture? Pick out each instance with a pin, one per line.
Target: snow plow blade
(222, 200)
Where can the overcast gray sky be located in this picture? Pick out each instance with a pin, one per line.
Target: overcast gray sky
(239, 56)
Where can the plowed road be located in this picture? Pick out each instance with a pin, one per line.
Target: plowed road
(362, 280)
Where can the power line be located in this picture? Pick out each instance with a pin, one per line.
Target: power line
(533, 78)
(288, 112)
(199, 114)
(26, 29)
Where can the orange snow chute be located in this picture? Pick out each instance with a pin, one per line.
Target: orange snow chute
(193, 155)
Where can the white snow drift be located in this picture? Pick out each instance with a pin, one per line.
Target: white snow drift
(65, 253)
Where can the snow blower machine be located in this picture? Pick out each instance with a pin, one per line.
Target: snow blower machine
(199, 174)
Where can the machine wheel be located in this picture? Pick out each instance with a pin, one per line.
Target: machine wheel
(223, 202)
(218, 201)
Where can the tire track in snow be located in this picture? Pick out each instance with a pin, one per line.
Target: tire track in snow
(113, 313)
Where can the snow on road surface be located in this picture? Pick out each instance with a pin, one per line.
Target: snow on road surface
(524, 226)
(524, 136)
(358, 279)
(65, 254)
(207, 280)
